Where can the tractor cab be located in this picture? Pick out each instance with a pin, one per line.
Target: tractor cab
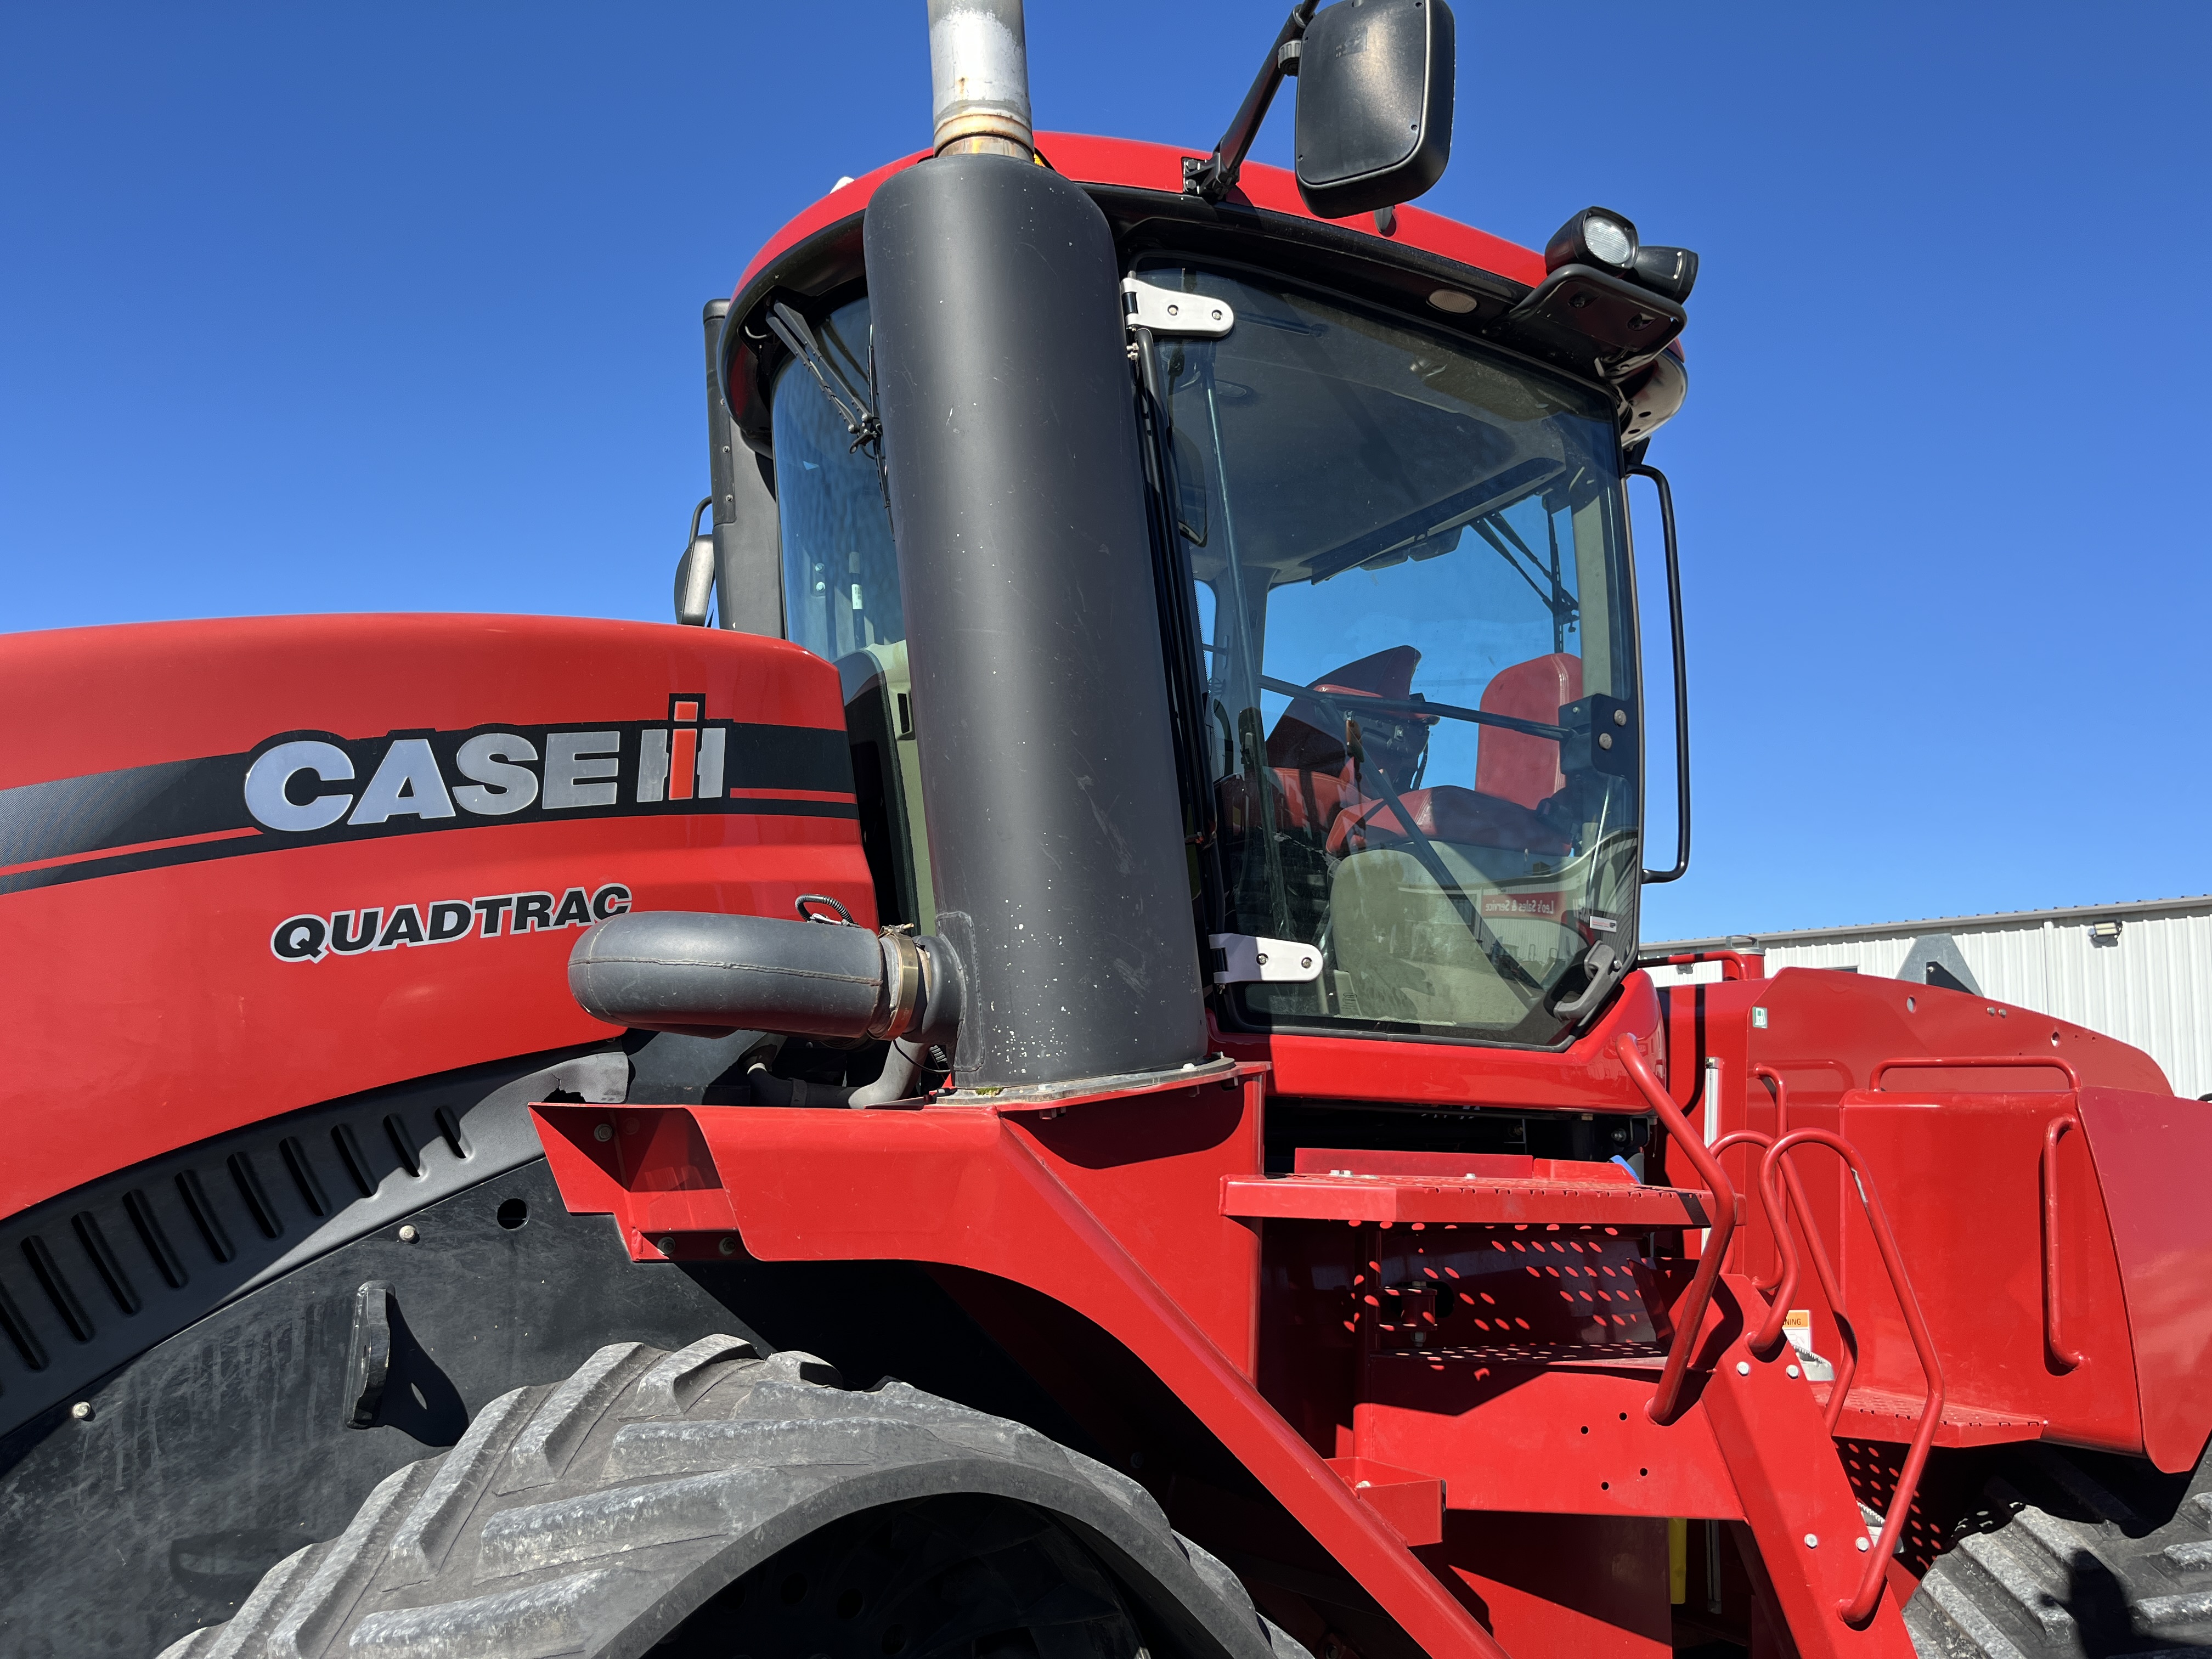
(1391, 540)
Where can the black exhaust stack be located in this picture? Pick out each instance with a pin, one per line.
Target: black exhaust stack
(1033, 635)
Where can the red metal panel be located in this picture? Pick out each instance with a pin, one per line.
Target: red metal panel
(2152, 1154)
(1312, 1344)
(1827, 1032)
(1563, 1442)
(969, 1188)
(1412, 1503)
(147, 1008)
(1961, 1178)
(147, 1005)
(1586, 1077)
(1822, 1035)
(1150, 1169)
(1585, 1586)
(86, 699)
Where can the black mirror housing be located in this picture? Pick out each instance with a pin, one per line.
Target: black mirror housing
(1375, 104)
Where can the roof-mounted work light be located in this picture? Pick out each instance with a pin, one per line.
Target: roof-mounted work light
(1608, 305)
(1671, 271)
(1599, 237)
(1595, 236)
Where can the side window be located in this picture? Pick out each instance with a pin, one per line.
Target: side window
(840, 587)
(841, 600)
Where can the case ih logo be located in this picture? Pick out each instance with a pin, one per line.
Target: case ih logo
(307, 788)
(300, 785)
(350, 932)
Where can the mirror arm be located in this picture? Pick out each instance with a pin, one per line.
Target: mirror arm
(1642, 470)
(1216, 176)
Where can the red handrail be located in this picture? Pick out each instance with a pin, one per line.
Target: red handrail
(1974, 1063)
(1728, 1143)
(1860, 1606)
(1689, 1310)
(2068, 1359)
(1840, 1384)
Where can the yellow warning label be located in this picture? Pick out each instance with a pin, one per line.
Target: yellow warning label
(1797, 1319)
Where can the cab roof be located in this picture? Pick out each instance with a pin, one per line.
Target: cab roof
(1132, 164)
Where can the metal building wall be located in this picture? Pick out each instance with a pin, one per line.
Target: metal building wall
(2151, 987)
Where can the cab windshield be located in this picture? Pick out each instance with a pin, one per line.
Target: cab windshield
(1417, 663)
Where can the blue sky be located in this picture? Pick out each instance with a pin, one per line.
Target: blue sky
(343, 308)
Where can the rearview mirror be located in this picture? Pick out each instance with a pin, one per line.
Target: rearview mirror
(1375, 104)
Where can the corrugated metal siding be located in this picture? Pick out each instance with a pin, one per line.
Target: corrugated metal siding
(2151, 987)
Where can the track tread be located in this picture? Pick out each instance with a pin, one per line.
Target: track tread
(325, 1595)
(675, 1381)
(1961, 1618)
(256, 1616)
(541, 1450)
(2085, 1573)
(420, 1547)
(592, 1515)
(536, 1623)
(2002, 1565)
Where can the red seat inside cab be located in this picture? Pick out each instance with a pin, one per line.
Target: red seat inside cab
(1513, 765)
(1318, 792)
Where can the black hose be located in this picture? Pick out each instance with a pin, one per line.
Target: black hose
(704, 974)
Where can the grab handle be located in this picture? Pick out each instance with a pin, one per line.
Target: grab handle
(1975, 1063)
(2066, 1358)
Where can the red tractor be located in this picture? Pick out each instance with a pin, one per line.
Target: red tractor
(1073, 1078)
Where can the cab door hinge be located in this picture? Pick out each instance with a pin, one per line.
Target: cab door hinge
(1168, 312)
(1248, 960)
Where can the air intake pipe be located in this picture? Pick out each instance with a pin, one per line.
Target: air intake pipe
(706, 975)
(1033, 632)
(1069, 953)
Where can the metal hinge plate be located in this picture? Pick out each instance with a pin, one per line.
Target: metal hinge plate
(1248, 960)
(1168, 311)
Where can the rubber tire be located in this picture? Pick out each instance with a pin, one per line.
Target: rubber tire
(2062, 1565)
(653, 1495)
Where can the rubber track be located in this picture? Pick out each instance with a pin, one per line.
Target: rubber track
(2080, 1575)
(591, 1517)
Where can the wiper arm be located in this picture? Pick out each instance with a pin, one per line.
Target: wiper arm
(790, 328)
(1563, 605)
(1454, 510)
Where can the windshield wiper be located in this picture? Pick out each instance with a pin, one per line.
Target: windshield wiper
(1563, 605)
(1450, 513)
(790, 328)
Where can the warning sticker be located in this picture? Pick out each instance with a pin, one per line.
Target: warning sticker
(1797, 1326)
